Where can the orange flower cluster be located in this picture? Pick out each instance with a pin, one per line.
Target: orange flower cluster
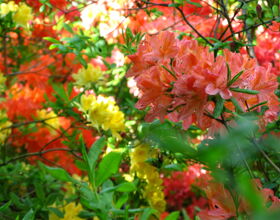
(180, 80)
(222, 206)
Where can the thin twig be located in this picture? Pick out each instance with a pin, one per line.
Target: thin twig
(40, 153)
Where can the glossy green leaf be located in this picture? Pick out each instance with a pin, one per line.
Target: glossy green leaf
(107, 167)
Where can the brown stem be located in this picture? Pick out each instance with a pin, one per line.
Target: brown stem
(40, 153)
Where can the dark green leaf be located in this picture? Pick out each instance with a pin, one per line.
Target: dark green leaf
(5, 206)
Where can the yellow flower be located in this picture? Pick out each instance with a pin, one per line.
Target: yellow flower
(71, 211)
(4, 124)
(2, 82)
(23, 15)
(5, 8)
(103, 113)
(86, 101)
(2, 79)
(86, 76)
(53, 120)
(153, 190)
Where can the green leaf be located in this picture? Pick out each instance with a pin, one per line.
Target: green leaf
(236, 105)
(42, 8)
(167, 137)
(29, 215)
(250, 21)
(5, 206)
(95, 151)
(275, 10)
(194, 3)
(246, 188)
(176, 167)
(228, 73)
(56, 211)
(247, 91)
(108, 166)
(173, 216)
(82, 61)
(126, 187)
(53, 46)
(230, 82)
(169, 71)
(53, 40)
(147, 213)
(68, 28)
(257, 105)
(219, 106)
(174, 5)
(58, 173)
(122, 200)
(58, 88)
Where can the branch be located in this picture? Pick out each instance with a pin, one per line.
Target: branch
(40, 153)
(184, 18)
(266, 156)
(253, 26)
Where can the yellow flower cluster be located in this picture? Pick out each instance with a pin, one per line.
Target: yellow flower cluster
(153, 191)
(53, 120)
(2, 82)
(86, 76)
(5, 8)
(103, 113)
(71, 211)
(4, 123)
(22, 13)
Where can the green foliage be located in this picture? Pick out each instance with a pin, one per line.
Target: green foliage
(81, 44)
(131, 42)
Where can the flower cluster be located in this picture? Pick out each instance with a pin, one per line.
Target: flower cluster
(222, 205)
(153, 190)
(71, 211)
(86, 76)
(2, 82)
(102, 112)
(4, 127)
(49, 117)
(22, 13)
(183, 81)
(179, 189)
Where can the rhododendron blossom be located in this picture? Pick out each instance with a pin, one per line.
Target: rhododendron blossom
(177, 78)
